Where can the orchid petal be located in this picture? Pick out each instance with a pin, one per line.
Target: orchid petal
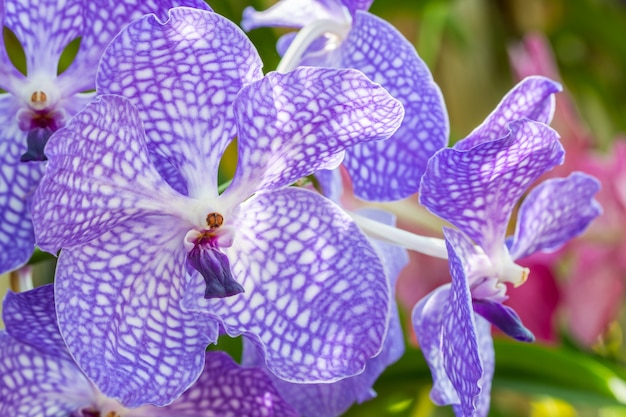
(427, 319)
(226, 389)
(291, 125)
(183, 76)
(330, 183)
(554, 212)
(44, 30)
(99, 175)
(18, 182)
(285, 13)
(354, 5)
(316, 299)
(391, 170)
(476, 190)
(460, 349)
(118, 305)
(30, 318)
(330, 400)
(504, 318)
(532, 98)
(35, 383)
(101, 21)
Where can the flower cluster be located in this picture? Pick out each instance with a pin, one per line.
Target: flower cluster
(157, 260)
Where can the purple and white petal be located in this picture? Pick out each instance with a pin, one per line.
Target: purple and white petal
(183, 76)
(330, 400)
(427, 319)
(99, 175)
(118, 305)
(36, 383)
(391, 170)
(354, 5)
(487, 357)
(226, 389)
(554, 212)
(101, 21)
(330, 183)
(476, 190)
(286, 13)
(30, 318)
(44, 29)
(316, 298)
(291, 125)
(504, 318)
(460, 349)
(532, 98)
(18, 182)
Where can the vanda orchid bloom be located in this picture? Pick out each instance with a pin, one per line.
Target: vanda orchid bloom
(342, 34)
(41, 101)
(155, 262)
(475, 186)
(40, 379)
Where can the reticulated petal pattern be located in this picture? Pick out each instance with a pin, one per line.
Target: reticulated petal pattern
(44, 28)
(532, 98)
(330, 400)
(30, 318)
(476, 190)
(101, 21)
(291, 125)
(37, 383)
(183, 76)
(99, 174)
(226, 389)
(316, 298)
(18, 182)
(118, 304)
(554, 212)
(392, 169)
(459, 339)
(427, 319)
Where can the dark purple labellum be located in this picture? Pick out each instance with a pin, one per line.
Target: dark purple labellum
(214, 267)
(86, 412)
(36, 142)
(504, 318)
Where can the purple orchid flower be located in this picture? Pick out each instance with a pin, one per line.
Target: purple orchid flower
(342, 34)
(475, 186)
(40, 102)
(156, 272)
(331, 400)
(39, 377)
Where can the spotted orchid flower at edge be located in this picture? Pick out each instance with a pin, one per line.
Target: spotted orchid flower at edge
(157, 261)
(40, 102)
(39, 377)
(333, 399)
(342, 34)
(475, 187)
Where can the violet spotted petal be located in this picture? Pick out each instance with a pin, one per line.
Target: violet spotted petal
(99, 181)
(460, 350)
(532, 98)
(330, 400)
(354, 5)
(118, 305)
(554, 212)
(392, 169)
(30, 318)
(316, 300)
(504, 318)
(427, 319)
(291, 125)
(476, 190)
(17, 184)
(35, 383)
(229, 390)
(183, 76)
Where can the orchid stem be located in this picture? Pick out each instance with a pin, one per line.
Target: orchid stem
(430, 246)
